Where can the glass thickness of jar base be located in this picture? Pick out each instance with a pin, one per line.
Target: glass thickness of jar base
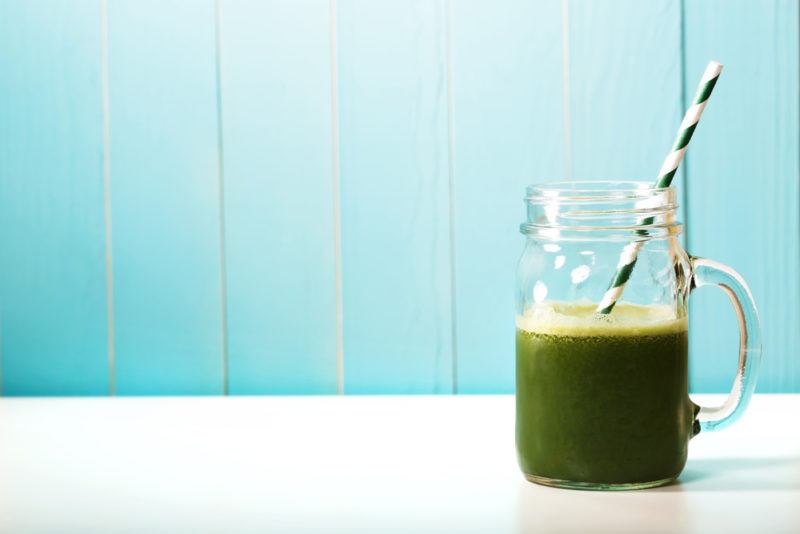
(597, 486)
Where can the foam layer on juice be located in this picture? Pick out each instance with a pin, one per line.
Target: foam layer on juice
(579, 319)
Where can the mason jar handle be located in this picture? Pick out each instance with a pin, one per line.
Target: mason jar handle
(707, 272)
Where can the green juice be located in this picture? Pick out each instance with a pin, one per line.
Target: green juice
(602, 401)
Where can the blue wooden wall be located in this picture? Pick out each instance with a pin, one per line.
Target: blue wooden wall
(322, 196)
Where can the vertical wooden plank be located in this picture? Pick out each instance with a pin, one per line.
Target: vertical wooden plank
(276, 102)
(395, 206)
(53, 292)
(743, 184)
(164, 176)
(508, 129)
(625, 87)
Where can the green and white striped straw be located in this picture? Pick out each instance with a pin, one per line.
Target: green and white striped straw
(627, 259)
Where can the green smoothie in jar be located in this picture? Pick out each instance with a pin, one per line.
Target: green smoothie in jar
(602, 399)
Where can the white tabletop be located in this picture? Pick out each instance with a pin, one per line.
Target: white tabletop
(343, 464)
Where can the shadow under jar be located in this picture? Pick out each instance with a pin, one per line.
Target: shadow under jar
(602, 399)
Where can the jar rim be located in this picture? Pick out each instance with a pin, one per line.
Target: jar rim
(593, 189)
(601, 209)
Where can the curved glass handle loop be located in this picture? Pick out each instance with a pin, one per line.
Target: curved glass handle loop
(707, 272)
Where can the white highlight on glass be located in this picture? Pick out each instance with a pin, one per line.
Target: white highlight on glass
(539, 291)
(579, 274)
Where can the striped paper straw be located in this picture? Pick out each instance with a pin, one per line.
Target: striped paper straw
(630, 253)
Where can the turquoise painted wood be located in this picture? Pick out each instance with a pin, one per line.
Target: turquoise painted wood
(743, 184)
(394, 194)
(224, 242)
(279, 201)
(505, 140)
(165, 197)
(624, 87)
(52, 286)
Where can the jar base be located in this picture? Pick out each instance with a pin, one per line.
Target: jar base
(596, 486)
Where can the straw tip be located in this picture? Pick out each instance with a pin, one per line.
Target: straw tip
(714, 65)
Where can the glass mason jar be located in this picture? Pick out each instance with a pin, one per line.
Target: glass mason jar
(602, 337)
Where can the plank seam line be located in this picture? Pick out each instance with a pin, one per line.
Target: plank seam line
(565, 103)
(796, 74)
(337, 217)
(451, 178)
(221, 194)
(107, 215)
(687, 158)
